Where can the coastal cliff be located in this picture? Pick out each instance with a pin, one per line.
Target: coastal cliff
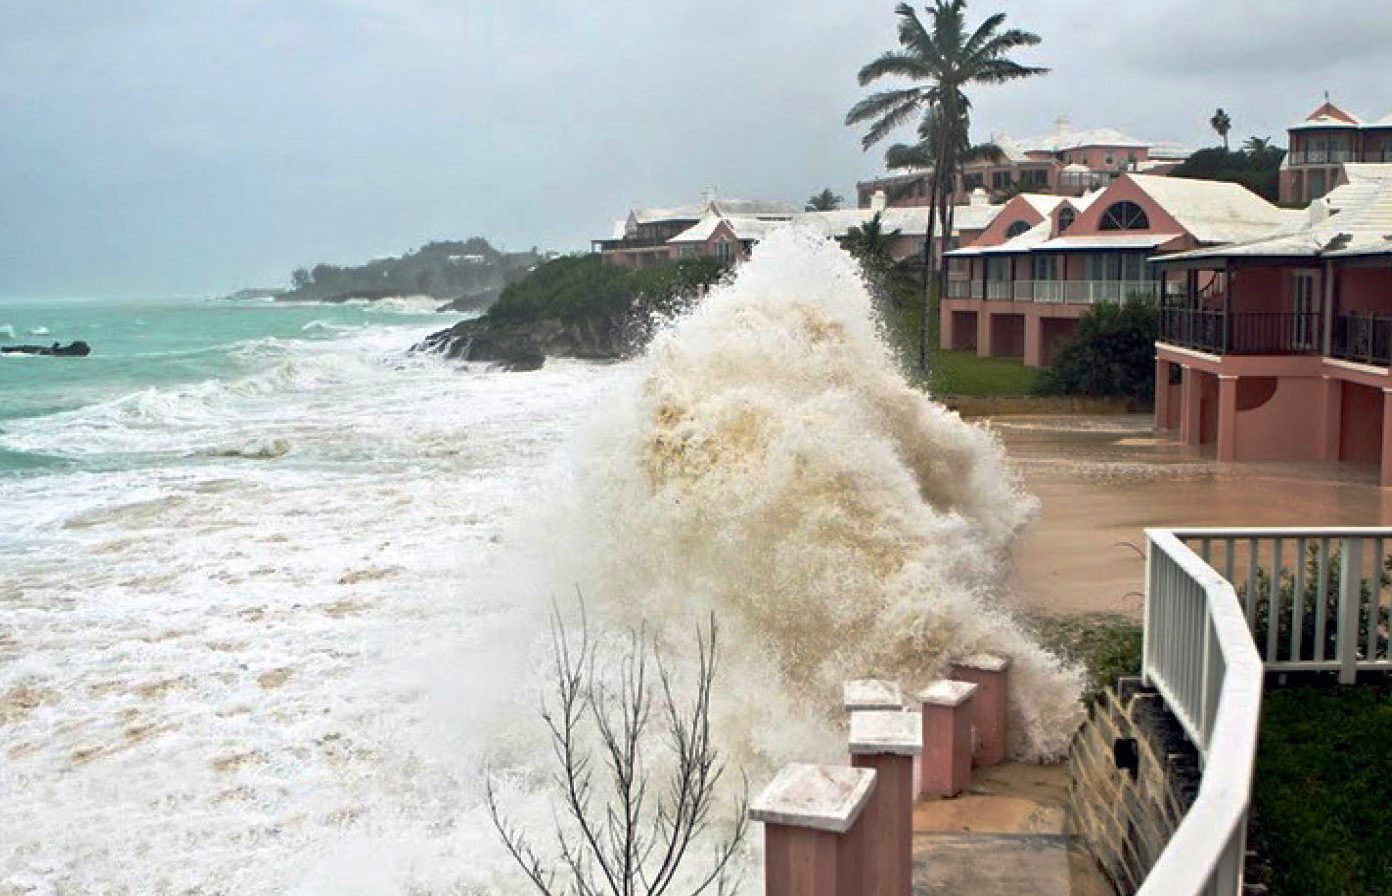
(574, 307)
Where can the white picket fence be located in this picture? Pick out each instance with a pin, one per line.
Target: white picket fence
(1323, 590)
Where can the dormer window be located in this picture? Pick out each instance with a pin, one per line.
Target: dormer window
(1124, 215)
(1066, 218)
(1016, 228)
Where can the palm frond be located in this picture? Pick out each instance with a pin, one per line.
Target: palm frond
(894, 62)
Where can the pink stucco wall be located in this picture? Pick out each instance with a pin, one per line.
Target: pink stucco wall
(1016, 209)
(1366, 289)
(1264, 430)
(1360, 424)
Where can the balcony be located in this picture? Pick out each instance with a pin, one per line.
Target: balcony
(1091, 292)
(1242, 332)
(1321, 157)
(1366, 338)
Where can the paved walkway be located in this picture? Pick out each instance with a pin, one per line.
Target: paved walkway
(1008, 835)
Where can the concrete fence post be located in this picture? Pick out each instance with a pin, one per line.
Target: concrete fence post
(945, 766)
(887, 743)
(814, 839)
(990, 706)
(872, 694)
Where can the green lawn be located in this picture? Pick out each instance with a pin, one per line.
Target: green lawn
(1324, 790)
(954, 373)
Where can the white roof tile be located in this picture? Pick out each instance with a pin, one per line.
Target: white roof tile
(1213, 211)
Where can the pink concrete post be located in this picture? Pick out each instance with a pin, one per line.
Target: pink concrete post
(887, 742)
(990, 707)
(945, 766)
(984, 348)
(814, 839)
(946, 336)
(1331, 419)
(872, 694)
(1162, 395)
(1227, 417)
(1385, 476)
(1034, 338)
(1191, 407)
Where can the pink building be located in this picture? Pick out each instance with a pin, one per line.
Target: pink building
(1323, 144)
(1066, 162)
(1020, 289)
(728, 230)
(1279, 348)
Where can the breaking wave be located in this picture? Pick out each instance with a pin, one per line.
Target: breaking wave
(770, 464)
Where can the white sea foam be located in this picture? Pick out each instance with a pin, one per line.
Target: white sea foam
(7, 331)
(38, 331)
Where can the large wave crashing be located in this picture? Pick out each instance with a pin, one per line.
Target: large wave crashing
(772, 465)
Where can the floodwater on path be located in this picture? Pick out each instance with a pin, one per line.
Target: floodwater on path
(1101, 480)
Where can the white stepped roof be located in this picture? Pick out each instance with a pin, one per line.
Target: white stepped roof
(1071, 139)
(745, 228)
(1117, 241)
(908, 220)
(1026, 241)
(1044, 203)
(1354, 219)
(1213, 211)
(754, 208)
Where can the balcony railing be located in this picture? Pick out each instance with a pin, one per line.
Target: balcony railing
(999, 290)
(1308, 600)
(1090, 292)
(1242, 332)
(1322, 156)
(1362, 337)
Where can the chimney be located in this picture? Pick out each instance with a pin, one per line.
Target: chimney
(879, 201)
(979, 197)
(1063, 125)
(1318, 211)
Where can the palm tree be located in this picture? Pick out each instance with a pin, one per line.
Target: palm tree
(1221, 123)
(825, 201)
(944, 59)
(870, 244)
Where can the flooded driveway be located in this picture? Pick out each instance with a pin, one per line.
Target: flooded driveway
(1102, 480)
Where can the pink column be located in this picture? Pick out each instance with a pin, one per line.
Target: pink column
(984, 348)
(1191, 407)
(1385, 479)
(887, 742)
(945, 334)
(945, 766)
(990, 707)
(1330, 419)
(1162, 395)
(1034, 338)
(814, 843)
(1227, 417)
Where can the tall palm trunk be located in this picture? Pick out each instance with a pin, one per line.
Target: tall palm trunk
(948, 212)
(924, 350)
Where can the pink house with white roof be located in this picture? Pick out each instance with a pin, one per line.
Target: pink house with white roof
(1020, 289)
(1280, 348)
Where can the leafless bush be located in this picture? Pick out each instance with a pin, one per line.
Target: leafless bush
(625, 821)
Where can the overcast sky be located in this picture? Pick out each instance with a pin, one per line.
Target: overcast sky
(185, 147)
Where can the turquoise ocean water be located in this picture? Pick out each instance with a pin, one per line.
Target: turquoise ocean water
(151, 345)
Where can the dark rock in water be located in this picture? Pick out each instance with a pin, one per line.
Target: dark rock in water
(525, 345)
(77, 349)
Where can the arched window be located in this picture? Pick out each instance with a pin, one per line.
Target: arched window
(1066, 218)
(1124, 215)
(1016, 228)
(724, 252)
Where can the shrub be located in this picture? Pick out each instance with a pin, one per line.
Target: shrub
(1111, 356)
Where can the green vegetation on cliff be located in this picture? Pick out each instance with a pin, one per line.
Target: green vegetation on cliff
(577, 288)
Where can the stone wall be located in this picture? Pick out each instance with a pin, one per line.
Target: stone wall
(1133, 774)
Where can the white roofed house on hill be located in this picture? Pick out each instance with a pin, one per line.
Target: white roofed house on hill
(1066, 162)
(1324, 145)
(728, 230)
(1020, 289)
(643, 238)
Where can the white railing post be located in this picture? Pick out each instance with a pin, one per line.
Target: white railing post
(1350, 582)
